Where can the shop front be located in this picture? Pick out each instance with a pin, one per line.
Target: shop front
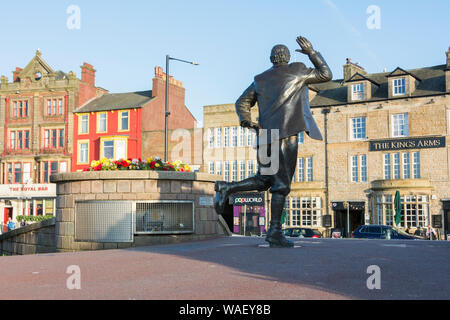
(249, 213)
(27, 200)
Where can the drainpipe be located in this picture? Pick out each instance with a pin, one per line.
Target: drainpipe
(325, 125)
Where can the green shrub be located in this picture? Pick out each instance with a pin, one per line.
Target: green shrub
(33, 218)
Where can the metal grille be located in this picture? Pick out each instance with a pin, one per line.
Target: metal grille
(104, 221)
(165, 217)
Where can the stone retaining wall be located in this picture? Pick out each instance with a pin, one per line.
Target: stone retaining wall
(134, 186)
(38, 237)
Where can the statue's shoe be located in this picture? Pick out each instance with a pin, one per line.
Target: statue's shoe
(222, 192)
(277, 240)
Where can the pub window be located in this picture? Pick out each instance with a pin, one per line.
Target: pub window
(12, 140)
(387, 166)
(303, 212)
(414, 211)
(384, 210)
(355, 169)
(54, 107)
(398, 87)
(358, 128)
(400, 125)
(17, 173)
(358, 91)
(39, 207)
(20, 109)
(49, 207)
(309, 169)
(404, 165)
(19, 140)
(396, 165)
(416, 165)
(10, 174)
(301, 169)
(50, 168)
(26, 172)
(301, 137)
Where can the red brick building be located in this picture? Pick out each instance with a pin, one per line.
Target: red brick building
(119, 125)
(36, 130)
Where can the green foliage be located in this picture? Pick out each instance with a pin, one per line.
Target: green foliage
(33, 218)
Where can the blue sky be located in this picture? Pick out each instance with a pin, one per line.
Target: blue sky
(231, 40)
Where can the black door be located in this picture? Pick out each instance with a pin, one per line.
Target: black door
(446, 222)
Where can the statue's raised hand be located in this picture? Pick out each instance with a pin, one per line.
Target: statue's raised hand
(305, 45)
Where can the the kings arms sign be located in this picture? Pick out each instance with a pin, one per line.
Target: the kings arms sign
(412, 143)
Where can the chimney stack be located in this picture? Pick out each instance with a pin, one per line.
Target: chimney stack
(350, 69)
(88, 74)
(16, 74)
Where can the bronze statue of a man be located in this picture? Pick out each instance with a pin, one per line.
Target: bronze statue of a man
(282, 96)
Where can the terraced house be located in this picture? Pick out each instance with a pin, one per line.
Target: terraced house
(383, 132)
(36, 126)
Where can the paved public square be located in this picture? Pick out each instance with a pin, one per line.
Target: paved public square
(237, 268)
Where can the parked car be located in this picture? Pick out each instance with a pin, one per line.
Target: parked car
(302, 233)
(376, 231)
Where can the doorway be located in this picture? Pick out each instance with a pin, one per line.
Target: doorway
(249, 221)
(8, 214)
(356, 218)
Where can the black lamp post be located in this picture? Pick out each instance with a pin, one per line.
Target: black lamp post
(167, 113)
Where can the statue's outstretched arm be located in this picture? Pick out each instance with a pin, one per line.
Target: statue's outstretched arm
(321, 73)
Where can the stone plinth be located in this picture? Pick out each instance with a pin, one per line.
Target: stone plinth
(135, 186)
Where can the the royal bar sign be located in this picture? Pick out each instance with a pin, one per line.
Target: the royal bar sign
(413, 143)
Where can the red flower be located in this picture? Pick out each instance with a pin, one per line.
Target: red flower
(152, 165)
(125, 164)
(98, 168)
(86, 169)
(165, 169)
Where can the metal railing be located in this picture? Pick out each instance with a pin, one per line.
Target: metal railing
(118, 221)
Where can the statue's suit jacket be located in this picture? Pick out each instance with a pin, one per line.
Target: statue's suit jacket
(282, 96)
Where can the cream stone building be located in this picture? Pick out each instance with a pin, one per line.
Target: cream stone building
(383, 132)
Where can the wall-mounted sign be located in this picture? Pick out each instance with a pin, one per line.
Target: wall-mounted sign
(22, 191)
(205, 201)
(248, 198)
(412, 143)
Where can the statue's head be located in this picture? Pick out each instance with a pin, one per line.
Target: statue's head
(280, 55)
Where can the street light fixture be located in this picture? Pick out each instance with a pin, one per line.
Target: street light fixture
(167, 113)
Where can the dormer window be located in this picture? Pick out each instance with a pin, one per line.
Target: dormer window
(399, 86)
(358, 91)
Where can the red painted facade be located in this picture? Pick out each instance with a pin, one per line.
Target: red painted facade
(148, 117)
(94, 138)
